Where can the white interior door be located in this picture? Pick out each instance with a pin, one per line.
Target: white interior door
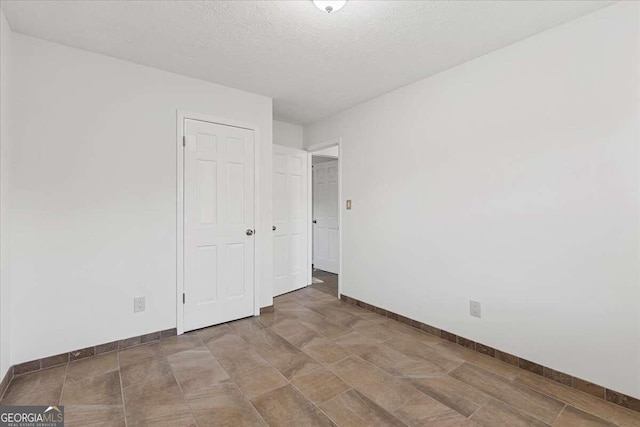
(290, 219)
(326, 245)
(218, 223)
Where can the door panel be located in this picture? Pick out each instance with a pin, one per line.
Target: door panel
(326, 245)
(290, 219)
(218, 211)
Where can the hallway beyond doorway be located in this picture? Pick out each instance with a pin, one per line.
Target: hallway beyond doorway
(329, 284)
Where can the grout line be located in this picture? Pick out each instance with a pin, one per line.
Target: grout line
(510, 382)
(173, 374)
(64, 382)
(474, 412)
(481, 367)
(176, 379)
(124, 409)
(587, 395)
(313, 404)
(559, 414)
(246, 398)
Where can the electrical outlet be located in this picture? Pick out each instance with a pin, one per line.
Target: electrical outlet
(475, 309)
(138, 304)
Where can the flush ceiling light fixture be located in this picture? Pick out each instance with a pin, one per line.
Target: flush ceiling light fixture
(329, 5)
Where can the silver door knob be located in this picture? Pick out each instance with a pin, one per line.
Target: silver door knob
(249, 232)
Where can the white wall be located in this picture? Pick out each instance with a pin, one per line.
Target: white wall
(511, 180)
(331, 151)
(93, 195)
(287, 134)
(320, 159)
(5, 320)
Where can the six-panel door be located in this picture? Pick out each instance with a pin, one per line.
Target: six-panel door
(326, 244)
(289, 219)
(219, 221)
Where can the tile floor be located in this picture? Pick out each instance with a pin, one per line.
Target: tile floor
(314, 361)
(329, 283)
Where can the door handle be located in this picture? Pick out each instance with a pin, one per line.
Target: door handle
(314, 221)
(249, 232)
(273, 228)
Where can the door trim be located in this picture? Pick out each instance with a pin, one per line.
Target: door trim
(312, 149)
(181, 116)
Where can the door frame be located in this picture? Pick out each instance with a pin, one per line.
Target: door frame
(181, 116)
(335, 142)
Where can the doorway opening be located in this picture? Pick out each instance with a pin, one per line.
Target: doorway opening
(325, 234)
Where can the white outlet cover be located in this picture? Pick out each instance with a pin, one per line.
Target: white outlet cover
(138, 304)
(475, 308)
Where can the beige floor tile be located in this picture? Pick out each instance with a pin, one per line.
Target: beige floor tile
(38, 388)
(268, 319)
(325, 352)
(386, 391)
(144, 371)
(288, 328)
(228, 342)
(458, 421)
(260, 381)
(307, 338)
(325, 328)
(585, 402)
(287, 407)
(132, 356)
(496, 413)
(94, 415)
(196, 368)
(347, 320)
(243, 326)
(423, 410)
(370, 315)
(459, 396)
(355, 339)
(538, 405)
(157, 390)
(284, 306)
(239, 361)
(411, 332)
(103, 389)
(375, 331)
(269, 345)
(439, 361)
(92, 366)
(295, 364)
(223, 405)
(571, 417)
(179, 419)
(449, 349)
(180, 343)
(214, 332)
(320, 385)
(158, 398)
(394, 362)
(352, 409)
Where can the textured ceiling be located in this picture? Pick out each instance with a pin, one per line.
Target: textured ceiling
(312, 64)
